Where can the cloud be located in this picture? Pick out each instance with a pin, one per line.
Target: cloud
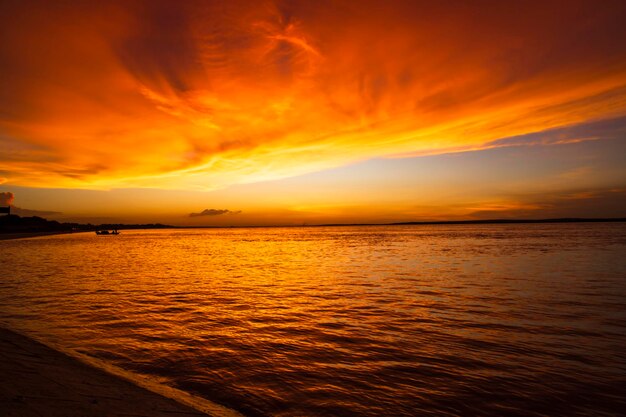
(213, 212)
(6, 198)
(604, 129)
(208, 94)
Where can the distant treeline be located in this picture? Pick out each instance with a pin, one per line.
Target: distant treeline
(17, 224)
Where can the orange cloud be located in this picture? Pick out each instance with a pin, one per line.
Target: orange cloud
(6, 198)
(201, 95)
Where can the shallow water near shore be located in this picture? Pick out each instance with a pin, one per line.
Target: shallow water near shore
(376, 320)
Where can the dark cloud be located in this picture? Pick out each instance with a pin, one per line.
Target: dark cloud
(213, 212)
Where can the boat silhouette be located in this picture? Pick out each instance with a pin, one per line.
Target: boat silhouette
(107, 232)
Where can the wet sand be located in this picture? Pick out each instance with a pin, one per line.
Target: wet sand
(38, 381)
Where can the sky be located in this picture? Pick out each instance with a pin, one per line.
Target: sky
(300, 112)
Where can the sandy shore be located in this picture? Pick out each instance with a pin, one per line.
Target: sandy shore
(38, 381)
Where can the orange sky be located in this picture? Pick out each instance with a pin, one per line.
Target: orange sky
(203, 96)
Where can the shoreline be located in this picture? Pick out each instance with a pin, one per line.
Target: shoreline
(24, 235)
(41, 380)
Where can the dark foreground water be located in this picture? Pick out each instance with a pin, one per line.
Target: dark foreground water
(353, 321)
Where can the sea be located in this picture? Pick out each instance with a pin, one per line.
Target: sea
(421, 320)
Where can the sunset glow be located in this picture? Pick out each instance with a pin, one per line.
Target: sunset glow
(312, 207)
(197, 97)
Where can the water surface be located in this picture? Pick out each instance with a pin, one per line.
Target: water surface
(351, 321)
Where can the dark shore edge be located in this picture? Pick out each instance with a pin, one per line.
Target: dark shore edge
(23, 235)
(11, 236)
(39, 375)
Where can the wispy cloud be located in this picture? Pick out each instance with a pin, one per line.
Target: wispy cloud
(205, 95)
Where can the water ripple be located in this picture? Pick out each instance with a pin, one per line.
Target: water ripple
(484, 320)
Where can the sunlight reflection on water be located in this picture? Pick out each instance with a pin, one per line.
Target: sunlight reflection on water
(441, 320)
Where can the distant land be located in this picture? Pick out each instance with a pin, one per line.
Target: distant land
(498, 221)
(13, 224)
(487, 221)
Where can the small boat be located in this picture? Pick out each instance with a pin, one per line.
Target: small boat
(106, 232)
